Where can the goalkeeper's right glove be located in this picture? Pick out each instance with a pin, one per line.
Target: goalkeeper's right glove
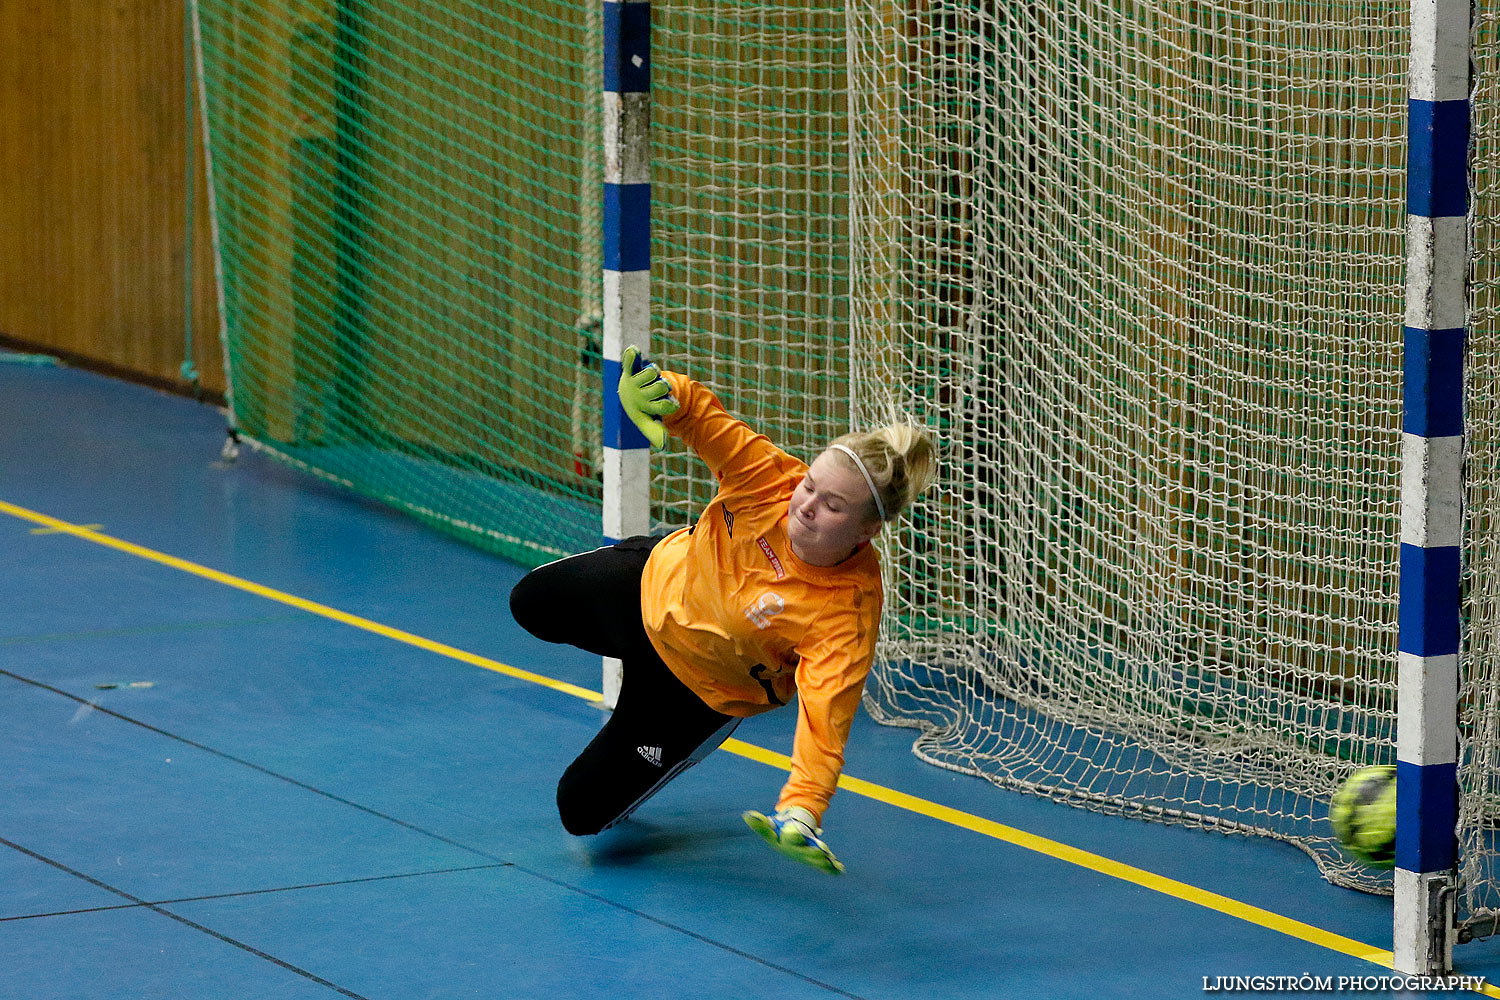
(794, 832)
(645, 396)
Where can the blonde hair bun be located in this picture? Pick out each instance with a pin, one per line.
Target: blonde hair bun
(901, 460)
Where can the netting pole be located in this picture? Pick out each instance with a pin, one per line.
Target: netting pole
(627, 269)
(199, 70)
(1432, 487)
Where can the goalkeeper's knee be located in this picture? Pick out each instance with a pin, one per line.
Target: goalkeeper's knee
(580, 813)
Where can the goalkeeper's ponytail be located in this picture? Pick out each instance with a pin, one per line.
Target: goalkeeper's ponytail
(900, 460)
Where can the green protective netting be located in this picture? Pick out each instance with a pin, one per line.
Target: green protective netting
(407, 213)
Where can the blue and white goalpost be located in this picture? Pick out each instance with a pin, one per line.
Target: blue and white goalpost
(627, 269)
(1432, 487)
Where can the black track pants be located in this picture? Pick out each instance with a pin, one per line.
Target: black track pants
(659, 728)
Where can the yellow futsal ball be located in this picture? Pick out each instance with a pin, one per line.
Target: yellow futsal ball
(1363, 813)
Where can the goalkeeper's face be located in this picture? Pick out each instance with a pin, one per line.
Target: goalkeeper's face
(830, 513)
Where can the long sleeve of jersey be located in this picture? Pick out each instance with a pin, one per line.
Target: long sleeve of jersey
(745, 623)
(830, 682)
(742, 460)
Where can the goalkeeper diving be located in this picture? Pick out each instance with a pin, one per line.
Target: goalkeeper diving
(774, 592)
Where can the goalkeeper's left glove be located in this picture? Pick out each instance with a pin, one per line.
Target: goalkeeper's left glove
(794, 832)
(645, 396)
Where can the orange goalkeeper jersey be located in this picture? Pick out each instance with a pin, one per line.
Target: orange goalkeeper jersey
(743, 622)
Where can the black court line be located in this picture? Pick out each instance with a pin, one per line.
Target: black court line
(499, 862)
(253, 766)
(247, 892)
(156, 908)
(689, 933)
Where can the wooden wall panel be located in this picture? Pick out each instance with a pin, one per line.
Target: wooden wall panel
(92, 215)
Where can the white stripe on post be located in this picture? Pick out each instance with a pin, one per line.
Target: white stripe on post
(1432, 488)
(627, 269)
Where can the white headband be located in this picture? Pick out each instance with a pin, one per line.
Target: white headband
(863, 472)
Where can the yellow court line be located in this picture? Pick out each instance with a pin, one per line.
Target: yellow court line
(900, 800)
(312, 607)
(1086, 859)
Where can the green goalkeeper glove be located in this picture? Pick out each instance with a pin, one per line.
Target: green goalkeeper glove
(794, 832)
(645, 396)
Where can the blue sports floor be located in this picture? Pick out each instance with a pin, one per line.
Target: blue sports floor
(260, 738)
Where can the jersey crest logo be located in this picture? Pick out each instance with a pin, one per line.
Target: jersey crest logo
(765, 547)
(767, 606)
(729, 520)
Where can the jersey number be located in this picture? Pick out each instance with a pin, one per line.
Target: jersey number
(759, 673)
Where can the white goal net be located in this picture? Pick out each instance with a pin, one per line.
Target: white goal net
(1141, 266)
(1147, 276)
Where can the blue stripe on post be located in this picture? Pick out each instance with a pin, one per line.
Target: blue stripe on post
(1434, 386)
(627, 227)
(627, 47)
(1429, 600)
(1426, 816)
(619, 431)
(1437, 182)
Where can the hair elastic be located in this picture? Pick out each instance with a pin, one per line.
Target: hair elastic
(863, 472)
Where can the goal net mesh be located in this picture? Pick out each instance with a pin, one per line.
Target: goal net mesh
(1142, 265)
(1479, 665)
